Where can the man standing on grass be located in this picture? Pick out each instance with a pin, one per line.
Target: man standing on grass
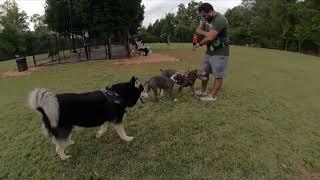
(214, 28)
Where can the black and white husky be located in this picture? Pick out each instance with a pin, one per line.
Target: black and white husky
(61, 112)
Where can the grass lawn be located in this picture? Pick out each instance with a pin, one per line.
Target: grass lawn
(265, 124)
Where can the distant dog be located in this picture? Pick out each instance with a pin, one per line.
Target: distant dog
(52, 54)
(141, 48)
(163, 83)
(61, 112)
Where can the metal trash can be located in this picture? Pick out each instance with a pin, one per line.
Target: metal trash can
(22, 64)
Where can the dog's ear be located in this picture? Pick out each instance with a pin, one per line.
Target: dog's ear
(133, 79)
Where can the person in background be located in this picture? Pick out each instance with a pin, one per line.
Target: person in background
(194, 41)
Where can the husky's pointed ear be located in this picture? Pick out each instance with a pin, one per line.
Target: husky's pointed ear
(137, 84)
(133, 79)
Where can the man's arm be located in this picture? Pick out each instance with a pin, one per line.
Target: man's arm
(209, 37)
(219, 24)
(201, 31)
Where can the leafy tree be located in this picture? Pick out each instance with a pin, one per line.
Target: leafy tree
(40, 28)
(13, 26)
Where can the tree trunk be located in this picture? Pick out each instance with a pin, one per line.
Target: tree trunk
(64, 56)
(70, 46)
(286, 46)
(35, 64)
(31, 49)
(73, 44)
(58, 48)
(105, 46)
(109, 46)
(300, 43)
(126, 41)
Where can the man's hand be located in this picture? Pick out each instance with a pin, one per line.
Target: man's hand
(197, 45)
(210, 36)
(200, 31)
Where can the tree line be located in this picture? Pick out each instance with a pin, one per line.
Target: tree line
(68, 18)
(280, 24)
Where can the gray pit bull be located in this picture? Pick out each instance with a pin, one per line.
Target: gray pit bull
(187, 79)
(190, 79)
(163, 83)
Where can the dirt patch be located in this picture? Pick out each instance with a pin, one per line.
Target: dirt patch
(306, 175)
(15, 73)
(153, 58)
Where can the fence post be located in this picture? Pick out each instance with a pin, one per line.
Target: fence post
(34, 61)
(105, 46)
(109, 46)
(57, 46)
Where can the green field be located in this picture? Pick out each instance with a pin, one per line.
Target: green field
(265, 124)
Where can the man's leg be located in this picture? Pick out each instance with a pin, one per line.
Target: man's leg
(217, 86)
(206, 68)
(204, 83)
(219, 66)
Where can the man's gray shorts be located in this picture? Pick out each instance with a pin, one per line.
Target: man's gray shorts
(216, 65)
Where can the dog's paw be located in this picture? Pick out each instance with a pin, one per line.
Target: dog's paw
(99, 135)
(129, 138)
(65, 157)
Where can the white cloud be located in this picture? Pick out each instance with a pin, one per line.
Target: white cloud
(30, 7)
(154, 9)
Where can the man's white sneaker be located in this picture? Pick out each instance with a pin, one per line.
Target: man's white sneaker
(208, 98)
(200, 93)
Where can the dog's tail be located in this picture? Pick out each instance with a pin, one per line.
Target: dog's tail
(47, 104)
(47, 129)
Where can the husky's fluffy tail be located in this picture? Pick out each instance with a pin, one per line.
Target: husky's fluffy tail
(47, 104)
